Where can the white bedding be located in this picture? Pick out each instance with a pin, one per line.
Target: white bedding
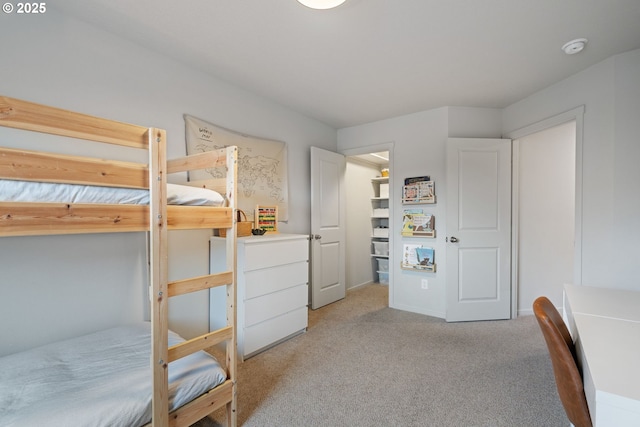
(26, 191)
(101, 379)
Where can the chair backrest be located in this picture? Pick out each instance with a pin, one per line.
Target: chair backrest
(547, 306)
(565, 369)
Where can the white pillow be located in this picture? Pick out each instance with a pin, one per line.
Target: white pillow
(193, 196)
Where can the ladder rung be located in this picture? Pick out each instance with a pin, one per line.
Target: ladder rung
(185, 286)
(202, 342)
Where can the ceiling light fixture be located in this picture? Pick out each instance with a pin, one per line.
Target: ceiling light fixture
(574, 46)
(379, 156)
(321, 4)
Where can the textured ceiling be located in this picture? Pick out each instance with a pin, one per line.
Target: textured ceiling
(374, 59)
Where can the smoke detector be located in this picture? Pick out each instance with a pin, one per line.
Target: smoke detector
(574, 46)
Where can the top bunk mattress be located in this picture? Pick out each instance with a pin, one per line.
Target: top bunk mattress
(100, 379)
(44, 192)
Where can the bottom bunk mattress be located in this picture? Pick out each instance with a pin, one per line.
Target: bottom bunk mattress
(100, 379)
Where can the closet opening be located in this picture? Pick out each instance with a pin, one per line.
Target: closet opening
(369, 219)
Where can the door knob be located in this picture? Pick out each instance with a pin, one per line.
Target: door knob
(453, 239)
(317, 237)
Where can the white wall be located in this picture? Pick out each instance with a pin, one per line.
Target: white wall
(359, 191)
(610, 92)
(59, 61)
(419, 149)
(626, 172)
(466, 122)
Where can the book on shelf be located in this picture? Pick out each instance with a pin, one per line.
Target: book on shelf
(425, 256)
(418, 191)
(415, 179)
(416, 222)
(409, 255)
(418, 257)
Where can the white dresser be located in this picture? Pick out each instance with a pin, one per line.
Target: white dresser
(273, 293)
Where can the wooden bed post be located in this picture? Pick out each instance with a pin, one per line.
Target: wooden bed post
(159, 276)
(232, 179)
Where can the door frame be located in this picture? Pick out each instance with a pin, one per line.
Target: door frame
(577, 115)
(386, 146)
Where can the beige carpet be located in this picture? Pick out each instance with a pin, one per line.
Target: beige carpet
(363, 364)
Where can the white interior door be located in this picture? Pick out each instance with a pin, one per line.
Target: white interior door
(478, 229)
(328, 213)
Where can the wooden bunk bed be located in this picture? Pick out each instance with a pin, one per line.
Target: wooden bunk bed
(45, 218)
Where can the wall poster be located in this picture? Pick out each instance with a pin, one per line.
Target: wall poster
(262, 164)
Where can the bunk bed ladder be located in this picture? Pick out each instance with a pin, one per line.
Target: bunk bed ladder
(224, 394)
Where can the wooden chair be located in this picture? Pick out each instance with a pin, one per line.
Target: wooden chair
(563, 359)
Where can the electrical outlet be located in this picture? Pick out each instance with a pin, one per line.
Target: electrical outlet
(425, 284)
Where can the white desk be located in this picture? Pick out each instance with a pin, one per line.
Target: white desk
(605, 324)
(614, 303)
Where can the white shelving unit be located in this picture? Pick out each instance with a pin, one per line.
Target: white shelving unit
(380, 229)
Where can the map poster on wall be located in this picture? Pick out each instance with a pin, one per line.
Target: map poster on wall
(262, 164)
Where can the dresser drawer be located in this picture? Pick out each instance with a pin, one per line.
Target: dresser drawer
(268, 333)
(271, 305)
(269, 280)
(275, 252)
